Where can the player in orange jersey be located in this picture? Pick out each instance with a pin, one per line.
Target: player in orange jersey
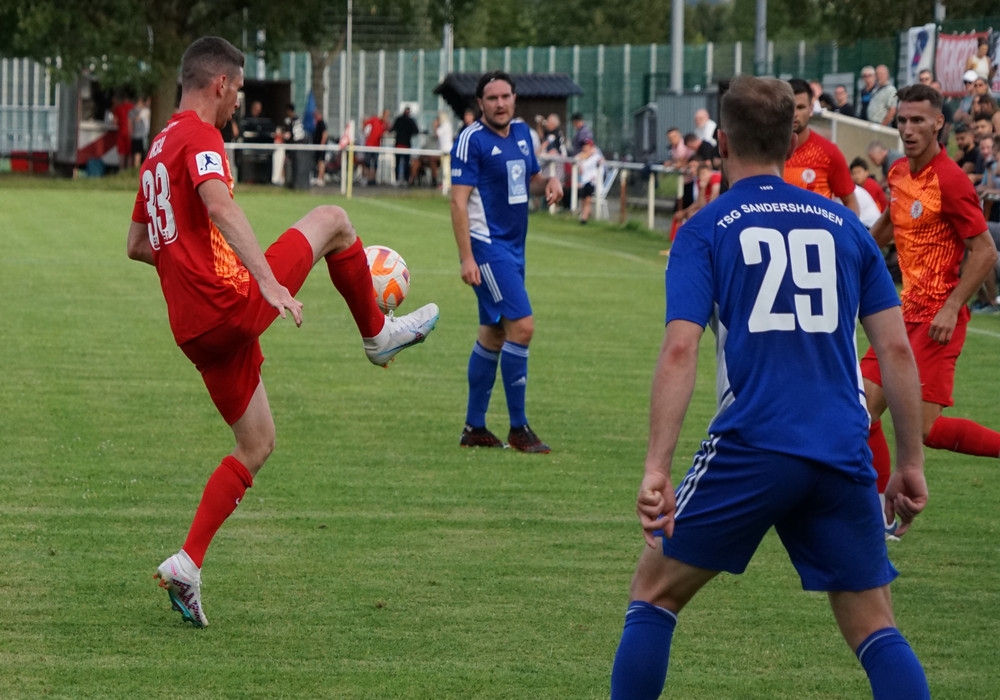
(936, 221)
(817, 164)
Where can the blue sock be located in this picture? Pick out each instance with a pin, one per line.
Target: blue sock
(640, 668)
(893, 669)
(514, 369)
(482, 377)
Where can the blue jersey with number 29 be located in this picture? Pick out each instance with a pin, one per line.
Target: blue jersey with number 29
(783, 275)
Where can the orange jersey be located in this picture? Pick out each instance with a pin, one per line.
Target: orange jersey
(818, 165)
(202, 278)
(930, 230)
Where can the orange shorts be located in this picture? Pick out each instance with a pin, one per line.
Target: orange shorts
(935, 362)
(229, 356)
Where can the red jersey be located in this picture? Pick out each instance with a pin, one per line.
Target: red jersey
(930, 230)
(877, 193)
(202, 278)
(818, 166)
(374, 130)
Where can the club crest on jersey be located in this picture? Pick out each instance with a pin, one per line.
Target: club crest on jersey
(523, 145)
(916, 209)
(809, 176)
(209, 162)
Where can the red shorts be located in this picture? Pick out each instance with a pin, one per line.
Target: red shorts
(229, 356)
(935, 362)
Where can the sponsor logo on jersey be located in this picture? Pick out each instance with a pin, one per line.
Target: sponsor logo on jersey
(209, 162)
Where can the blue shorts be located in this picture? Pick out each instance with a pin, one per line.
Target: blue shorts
(502, 292)
(830, 524)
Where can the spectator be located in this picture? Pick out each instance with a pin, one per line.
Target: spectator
(320, 137)
(552, 145)
(968, 155)
(404, 129)
(708, 184)
(705, 127)
(882, 157)
(443, 140)
(581, 133)
(590, 159)
(701, 150)
(121, 108)
(882, 105)
(964, 109)
(983, 104)
(373, 130)
(840, 101)
(868, 88)
(925, 77)
(979, 62)
(679, 154)
(949, 117)
(982, 127)
(469, 116)
(863, 178)
(140, 130)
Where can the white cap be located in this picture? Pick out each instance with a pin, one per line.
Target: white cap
(970, 76)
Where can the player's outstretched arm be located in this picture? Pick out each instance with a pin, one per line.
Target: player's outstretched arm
(236, 229)
(673, 385)
(906, 494)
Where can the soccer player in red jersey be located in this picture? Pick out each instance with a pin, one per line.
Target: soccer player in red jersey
(936, 220)
(817, 164)
(222, 291)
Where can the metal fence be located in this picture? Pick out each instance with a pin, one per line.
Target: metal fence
(617, 81)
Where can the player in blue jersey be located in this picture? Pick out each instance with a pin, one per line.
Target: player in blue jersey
(782, 275)
(494, 171)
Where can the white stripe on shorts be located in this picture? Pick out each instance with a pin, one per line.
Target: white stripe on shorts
(690, 484)
(490, 281)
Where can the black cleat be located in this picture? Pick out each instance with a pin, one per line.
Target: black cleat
(479, 437)
(525, 440)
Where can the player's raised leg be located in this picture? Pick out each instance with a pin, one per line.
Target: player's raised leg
(332, 236)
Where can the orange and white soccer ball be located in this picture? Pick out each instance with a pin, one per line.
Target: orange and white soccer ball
(390, 276)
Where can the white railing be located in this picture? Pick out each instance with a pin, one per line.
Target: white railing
(621, 171)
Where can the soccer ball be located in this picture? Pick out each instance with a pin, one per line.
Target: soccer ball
(390, 276)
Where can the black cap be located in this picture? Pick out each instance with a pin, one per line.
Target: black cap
(576, 116)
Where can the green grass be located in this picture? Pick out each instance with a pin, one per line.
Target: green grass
(373, 558)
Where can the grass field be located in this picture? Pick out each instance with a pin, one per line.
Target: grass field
(373, 558)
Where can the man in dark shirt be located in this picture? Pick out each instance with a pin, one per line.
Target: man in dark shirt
(404, 128)
(968, 157)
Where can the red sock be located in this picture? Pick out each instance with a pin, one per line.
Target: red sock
(222, 494)
(881, 459)
(352, 278)
(965, 436)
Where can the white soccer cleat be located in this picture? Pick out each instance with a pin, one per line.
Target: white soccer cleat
(182, 580)
(400, 332)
